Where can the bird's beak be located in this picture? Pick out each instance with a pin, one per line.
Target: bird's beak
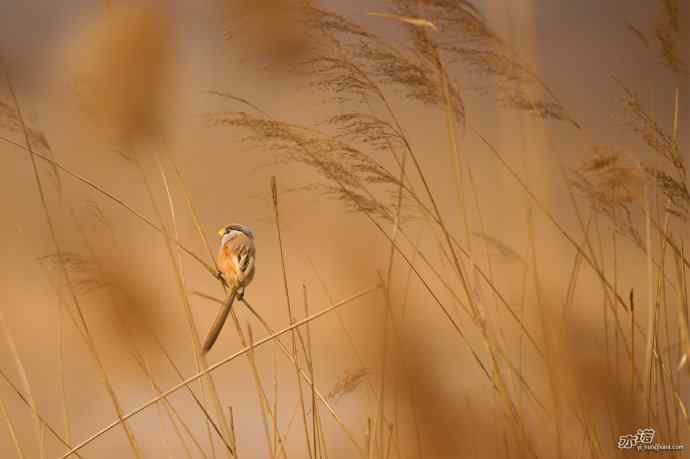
(221, 232)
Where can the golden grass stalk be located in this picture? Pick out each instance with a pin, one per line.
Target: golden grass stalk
(436, 215)
(200, 359)
(381, 406)
(309, 357)
(163, 409)
(607, 287)
(231, 419)
(301, 405)
(552, 219)
(341, 323)
(349, 186)
(137, 354)
(684, 317)
(53, 235)
(264, 403)
(61, 370)
(290, 357)
(25, 382)
(141, 362)
(276, 432)
(10, 427)
(198, 226)
(222, 362)
(262, 399)
(110, 196)
(307, 379)
(291, 316)
(196, 400)
(209, 387)
(25, 400)
(281, 130)
(419, 22)
(659, 367)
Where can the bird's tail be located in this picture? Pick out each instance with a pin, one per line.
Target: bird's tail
(220, 321)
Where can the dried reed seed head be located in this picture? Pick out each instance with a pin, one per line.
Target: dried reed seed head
(667, 33)
(450, 15)
(654, 135)
(332, 24)
(501, 249)
(119, 67)
(367, 129)
(637, 33)
(516, 98)
(607, 177)
(611, 185)
(95, 215)
(357, 63)
(603, 158)
(348, 382)
(10, 123)
(465, 38)
(345, 169)
(676, 192)
(83, 272)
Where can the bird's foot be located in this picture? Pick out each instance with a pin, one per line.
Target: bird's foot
(221, 277)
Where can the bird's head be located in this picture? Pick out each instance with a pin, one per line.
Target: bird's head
(236, 227)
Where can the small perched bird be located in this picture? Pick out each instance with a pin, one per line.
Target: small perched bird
(235, 263)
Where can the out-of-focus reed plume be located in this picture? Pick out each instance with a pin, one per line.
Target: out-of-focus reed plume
(269, 30)
(129, 304)
(118, 66)
(439, 418)
(123, 301)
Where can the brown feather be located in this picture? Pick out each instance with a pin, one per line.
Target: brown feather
(227, 259)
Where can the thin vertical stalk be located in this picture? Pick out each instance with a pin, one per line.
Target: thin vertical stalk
(293, 338)
(54, 239)
(262, 400)
(10, 427)
(200, 360)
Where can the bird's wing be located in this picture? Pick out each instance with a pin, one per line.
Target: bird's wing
(235, 249)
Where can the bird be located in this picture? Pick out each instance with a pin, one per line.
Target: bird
(235, 262)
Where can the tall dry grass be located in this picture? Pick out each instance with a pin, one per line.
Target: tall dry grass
(462, 360)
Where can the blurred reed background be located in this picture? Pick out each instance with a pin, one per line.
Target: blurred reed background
(477, 224)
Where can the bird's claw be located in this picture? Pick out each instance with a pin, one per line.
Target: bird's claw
(221, 277)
